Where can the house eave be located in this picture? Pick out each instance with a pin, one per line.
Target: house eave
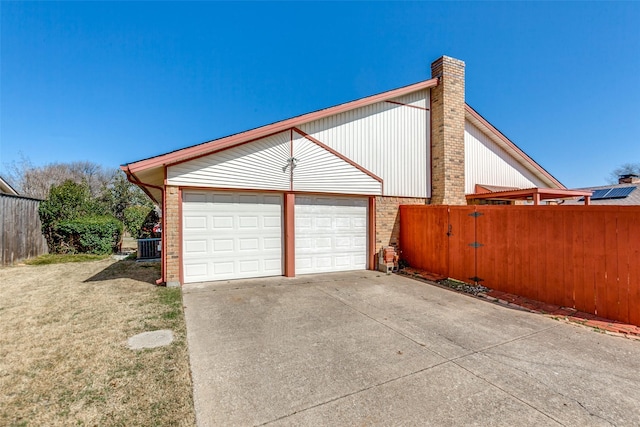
(209, 147)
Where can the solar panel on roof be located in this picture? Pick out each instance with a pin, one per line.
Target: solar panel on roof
(600, 194)
(619, 193)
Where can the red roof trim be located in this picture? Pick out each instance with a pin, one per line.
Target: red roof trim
(545, 193)
(511, 145)
(229, 141)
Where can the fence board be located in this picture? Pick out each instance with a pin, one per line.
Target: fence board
(425, 245)
(586, 257)
(462, 234)
(20, 229)
(632, 250)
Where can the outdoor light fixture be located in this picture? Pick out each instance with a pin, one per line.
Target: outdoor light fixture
(291, 163)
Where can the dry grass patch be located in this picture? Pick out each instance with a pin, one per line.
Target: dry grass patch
(63, 347)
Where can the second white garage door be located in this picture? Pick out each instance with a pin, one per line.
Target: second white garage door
(231, 235)
(331, 234)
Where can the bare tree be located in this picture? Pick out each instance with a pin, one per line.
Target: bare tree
(625, 169)
(36, 181)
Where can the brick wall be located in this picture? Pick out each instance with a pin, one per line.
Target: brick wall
(388, 218)
(172, 235)
(447, 141)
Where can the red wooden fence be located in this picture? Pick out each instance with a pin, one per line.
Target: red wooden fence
(585, 257)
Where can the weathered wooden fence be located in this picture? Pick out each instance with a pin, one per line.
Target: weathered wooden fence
(585, 257)
(20, 229)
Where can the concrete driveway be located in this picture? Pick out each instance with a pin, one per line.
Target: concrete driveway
(363, 348)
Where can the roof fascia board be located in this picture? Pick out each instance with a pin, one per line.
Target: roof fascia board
(506, 141)
(8, 189)
(132, 178)
(229, 141)
(546, 193)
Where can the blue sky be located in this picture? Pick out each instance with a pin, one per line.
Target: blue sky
(118, 82)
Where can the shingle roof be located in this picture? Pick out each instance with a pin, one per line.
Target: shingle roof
(633, 199)
(5, 188)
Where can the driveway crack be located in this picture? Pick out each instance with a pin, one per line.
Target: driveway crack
(354, 393)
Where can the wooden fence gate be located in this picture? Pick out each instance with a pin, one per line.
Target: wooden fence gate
(584, 257)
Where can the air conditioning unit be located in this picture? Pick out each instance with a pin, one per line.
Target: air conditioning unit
(149, 249)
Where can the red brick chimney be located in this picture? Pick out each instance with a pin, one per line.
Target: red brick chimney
(629, 178)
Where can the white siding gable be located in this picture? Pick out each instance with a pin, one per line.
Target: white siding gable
(385, 138)
(258, 165)
(318, 170)
(487, 163)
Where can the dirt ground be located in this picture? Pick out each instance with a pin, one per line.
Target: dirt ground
(64, 358)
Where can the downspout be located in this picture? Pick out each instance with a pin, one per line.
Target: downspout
(134, 180)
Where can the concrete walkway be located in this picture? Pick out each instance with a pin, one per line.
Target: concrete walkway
(363, 348)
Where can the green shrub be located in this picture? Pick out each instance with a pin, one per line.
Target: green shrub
(67, 202)
(134, 219)
(90, 234)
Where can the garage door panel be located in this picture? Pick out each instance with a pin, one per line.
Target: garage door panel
(360, 223)
(242, 236)
(343, 222)
(272, 199)
(323, 261)
(360, 259)
(272, 222)
(323, 222)
(223, 245)
(249, 266)
(273, 265)
(343, 261)
(195, 222)
(250, 244)
(222, 267)
(195, 196)
(222, 222)
(360, 242)
(222, 198)
(303, 222)
(331, 234)
(248, 198)
(248, 222)
(344, 242)
(198, 247)
(196, 269)
(272, 243)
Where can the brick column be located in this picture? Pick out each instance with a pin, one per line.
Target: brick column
(447, 132)
(171, 233)
(388, 219)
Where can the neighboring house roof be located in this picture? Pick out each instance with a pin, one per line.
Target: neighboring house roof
(626, 198)
(149, 173)
(5, 188)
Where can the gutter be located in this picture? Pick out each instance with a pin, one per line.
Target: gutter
(132, 178)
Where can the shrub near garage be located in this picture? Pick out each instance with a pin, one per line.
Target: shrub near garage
(73, 221)
(92, 234)
(134, 220)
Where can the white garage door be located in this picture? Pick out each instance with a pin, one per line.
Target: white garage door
(331, 234)
(231, 235)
